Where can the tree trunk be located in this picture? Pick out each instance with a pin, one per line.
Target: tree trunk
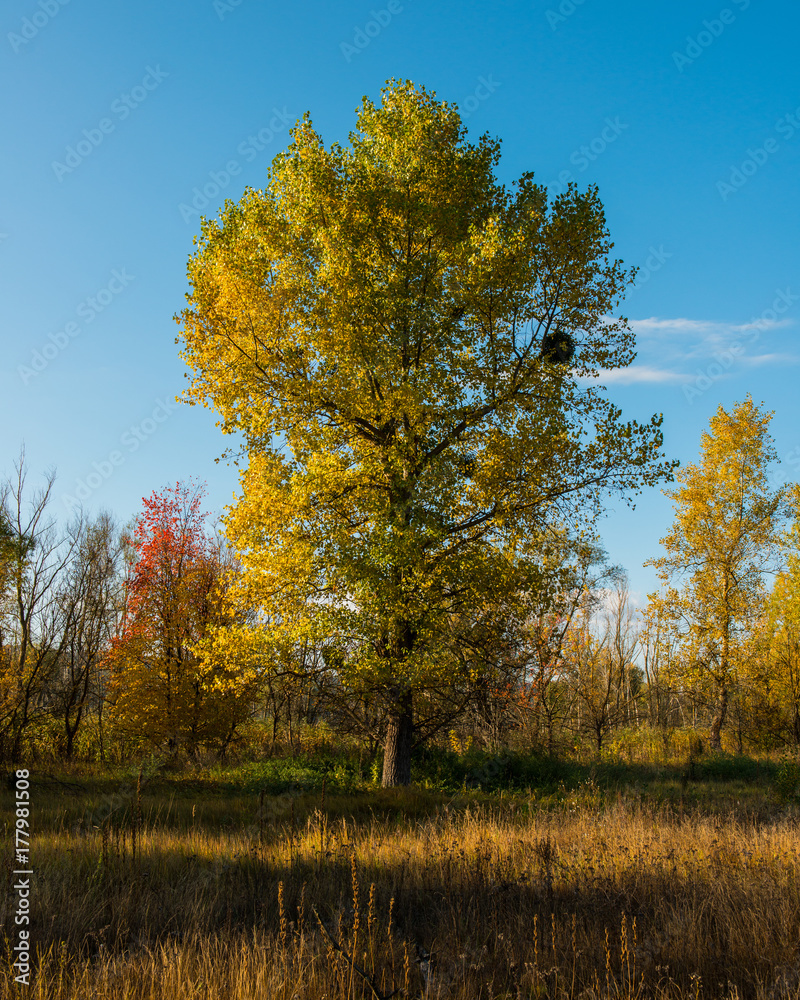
(397, 748)
(715, 740)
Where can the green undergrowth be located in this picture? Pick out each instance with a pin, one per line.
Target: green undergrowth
(348, 783)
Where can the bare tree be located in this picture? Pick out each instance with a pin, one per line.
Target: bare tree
(601, 647)
(90, 601)
(551, 697)
(623, 641)
(658, 643)
(30, 614)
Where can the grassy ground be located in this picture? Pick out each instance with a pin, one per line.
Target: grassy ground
(504, 877)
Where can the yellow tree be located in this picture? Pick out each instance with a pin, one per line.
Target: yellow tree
(404, 344)
(721, 543)
(776, 660)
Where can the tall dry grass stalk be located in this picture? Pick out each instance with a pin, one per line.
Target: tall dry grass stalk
(630, 901)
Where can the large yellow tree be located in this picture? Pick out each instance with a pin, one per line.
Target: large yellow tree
(721, 543)
(403, 342)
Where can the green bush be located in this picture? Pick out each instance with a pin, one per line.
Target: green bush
(787, 780)
(342, 772)
(448, 771)
(723, 766)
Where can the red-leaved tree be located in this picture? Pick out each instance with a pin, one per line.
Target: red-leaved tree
(179, 580)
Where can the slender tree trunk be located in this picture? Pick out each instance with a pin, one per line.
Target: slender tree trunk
(16, 749)
(397, 748)
(71, 727)
(715, 736)
(715, 740)
(100, 703)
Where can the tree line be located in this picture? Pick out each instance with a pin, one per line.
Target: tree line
(117, 641)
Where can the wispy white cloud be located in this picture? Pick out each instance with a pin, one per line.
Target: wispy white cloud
(667, 344)
(634, 374)
(769, 359)
(653, 325)
(695, 353)
(688, 352)
(704, 328)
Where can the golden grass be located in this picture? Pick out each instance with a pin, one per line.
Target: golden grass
(417, 898)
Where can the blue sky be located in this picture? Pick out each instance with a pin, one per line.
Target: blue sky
(687, 116)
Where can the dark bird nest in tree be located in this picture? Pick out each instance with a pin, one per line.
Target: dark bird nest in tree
(558, 347)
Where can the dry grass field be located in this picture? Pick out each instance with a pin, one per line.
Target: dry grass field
(194, 889)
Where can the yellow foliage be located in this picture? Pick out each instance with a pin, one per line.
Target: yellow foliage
(458, 744)
(724, 536)
(372, 322)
